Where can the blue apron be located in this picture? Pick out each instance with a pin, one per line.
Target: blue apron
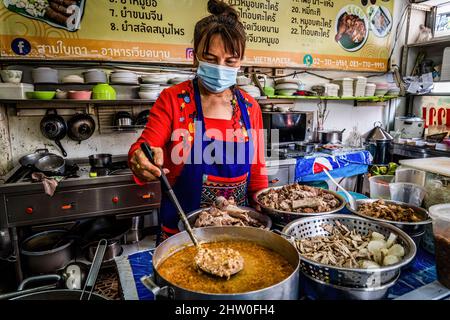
(223, 170)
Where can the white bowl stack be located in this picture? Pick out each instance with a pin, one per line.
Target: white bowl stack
(370, 89)
(360, 86)
(179, 78)
(45, 75)
(150, 91)
(346, 87)
(286, 88)
(252, 90)
(73, 78)
(95, 76)
(155, 78)
(331, 90)
(124, 77)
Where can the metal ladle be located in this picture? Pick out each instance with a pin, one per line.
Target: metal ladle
(173, 198)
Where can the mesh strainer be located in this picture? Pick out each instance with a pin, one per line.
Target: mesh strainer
(349, 277)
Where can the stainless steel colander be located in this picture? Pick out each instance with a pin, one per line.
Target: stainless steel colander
(350, 277)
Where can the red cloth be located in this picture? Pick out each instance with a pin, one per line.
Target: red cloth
(176, 109)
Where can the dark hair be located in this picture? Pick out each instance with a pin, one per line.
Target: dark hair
(223, 21)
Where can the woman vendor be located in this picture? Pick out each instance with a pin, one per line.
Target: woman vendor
(189, 126)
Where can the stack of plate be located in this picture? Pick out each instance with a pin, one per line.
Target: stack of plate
(286, 88)
(382, 88)
(370, 89)
(95, 76)
(45, 75)
(73, 78)
(331, 90)
(346, 87)
(155, 78)
(360, 86)
(150, 91)
(252, 90)
(124, 77)
(181, 78)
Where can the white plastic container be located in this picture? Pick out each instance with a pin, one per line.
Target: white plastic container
(410, 176)
(407, 192)
(15, 90)
(379, 187)
(440, 214)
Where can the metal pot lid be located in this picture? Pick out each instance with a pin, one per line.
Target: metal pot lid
(378, 134)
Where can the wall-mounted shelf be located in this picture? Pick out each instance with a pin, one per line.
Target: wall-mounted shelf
(288, 99)
(36, 103)
(440, 41)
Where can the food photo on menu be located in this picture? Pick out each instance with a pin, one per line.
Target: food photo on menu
(213, 158)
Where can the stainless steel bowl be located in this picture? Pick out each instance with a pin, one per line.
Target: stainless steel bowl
(413, 229)
(317, 289)
(287, 216)
(264, 219)
(350, 277)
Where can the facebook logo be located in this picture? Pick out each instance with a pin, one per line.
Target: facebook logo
(21, 46)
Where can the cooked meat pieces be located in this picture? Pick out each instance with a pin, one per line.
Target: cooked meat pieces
(352, 26)
(347, 248)
(222, 262)
(229, 215)
(299, 198)
(392, 212)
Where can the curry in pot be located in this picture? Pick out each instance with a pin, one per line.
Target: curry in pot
(263, 268)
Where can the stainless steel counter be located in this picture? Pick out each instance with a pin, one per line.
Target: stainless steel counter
(415, 152)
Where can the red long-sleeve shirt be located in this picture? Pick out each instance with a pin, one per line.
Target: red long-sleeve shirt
(176, 109)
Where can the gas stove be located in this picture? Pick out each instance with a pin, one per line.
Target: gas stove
(84, 192)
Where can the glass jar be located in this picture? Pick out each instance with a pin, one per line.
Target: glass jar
(441, 230)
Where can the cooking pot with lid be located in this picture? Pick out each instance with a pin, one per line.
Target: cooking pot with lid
(378, 143)
(285, 290)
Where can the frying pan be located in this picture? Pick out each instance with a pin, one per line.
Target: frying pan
(54, 127)
(27, 162)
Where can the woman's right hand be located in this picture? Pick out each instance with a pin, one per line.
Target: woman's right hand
(143, 168)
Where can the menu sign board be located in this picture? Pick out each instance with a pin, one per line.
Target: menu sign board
(321, 34)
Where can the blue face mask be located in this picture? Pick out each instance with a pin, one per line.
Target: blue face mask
(216, 78)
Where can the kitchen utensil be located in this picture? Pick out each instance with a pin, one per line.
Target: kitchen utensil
(379, 186)
(101, 160)
(79, 95)
(93, 272)
(330, 136)
(95, 76)
(123, 119)
(351, 200)
(437, 138)
(103, 91)
(411, 228)
(305, 147)
(284, 290)
(113, 250)
(61, 94)
(135, 233)
(51, 164)
(149, 95)
(286, 216)
(410, 176)
(142, 118)
(350, 277)
(264, 219)
(74, 275)
(173, 198)
(38, 253)
(73, 78)
(321, 290)
(27, 164)
(16, 91)
(410, 127)
(378, 143)
(44, 95)
(407, 192)
(441, 225)
(54, 127)
(11, 76)
(80, 127)
(5, 244)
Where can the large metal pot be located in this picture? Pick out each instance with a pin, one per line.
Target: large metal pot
(287, 289)
(40, 254)
(330, 136)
